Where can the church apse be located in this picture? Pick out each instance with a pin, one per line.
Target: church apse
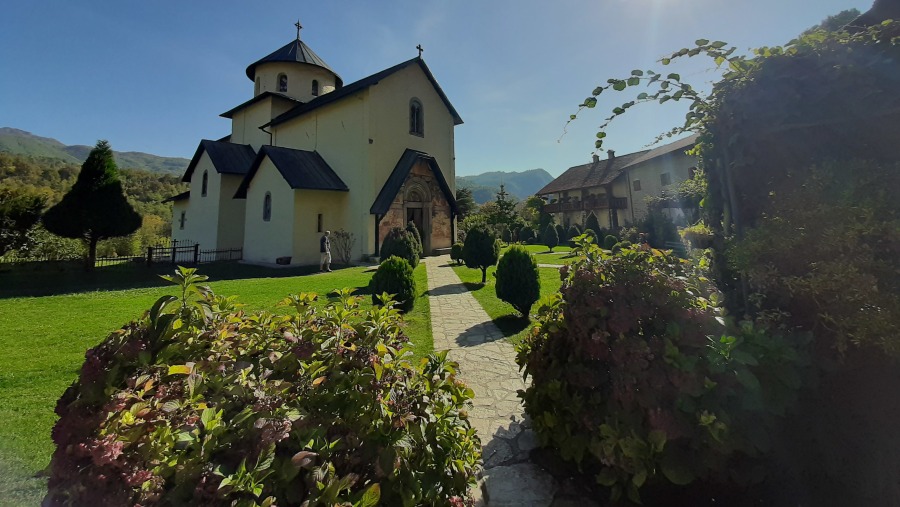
(421, 201)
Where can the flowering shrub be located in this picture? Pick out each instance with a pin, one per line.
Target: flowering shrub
(637, 379)
(199, 403)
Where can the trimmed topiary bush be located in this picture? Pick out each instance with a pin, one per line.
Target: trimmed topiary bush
(199, 403)
(394, 276)
(401, 243)
(526, 235)
(592, 223)
(572, 233)
(610, 241)
(456, 252)
(414, 232)
(481, 250)
(561, 233)
(518, 280)
(550, 238)
(636, 379)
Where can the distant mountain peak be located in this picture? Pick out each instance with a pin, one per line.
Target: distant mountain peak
(518, 183)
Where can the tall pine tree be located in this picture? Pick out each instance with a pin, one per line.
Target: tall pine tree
(95, 208)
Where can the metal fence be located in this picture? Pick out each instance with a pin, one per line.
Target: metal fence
(174, 253)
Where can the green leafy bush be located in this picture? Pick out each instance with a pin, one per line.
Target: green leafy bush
(518, 280)
(395, 277)
(561, 233)
(636, 379)
(401, 243)
(827, 252)
(481, 250)
(414, 232)
(505, 234)
(591, 234)
(456, 252)
(659, 229)
(610, 241)
(199, 403)
(526, 235)
(698, 235)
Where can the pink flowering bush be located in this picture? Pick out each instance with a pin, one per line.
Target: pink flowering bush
(638, 378)
(199, 403)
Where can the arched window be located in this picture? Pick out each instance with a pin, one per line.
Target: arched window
(416, 118)
(182, 220)
(204, 184)
(282, 83)
(267, 207)
(315, 88)
(256, 87)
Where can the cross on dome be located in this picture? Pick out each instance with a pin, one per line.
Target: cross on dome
(299, 26)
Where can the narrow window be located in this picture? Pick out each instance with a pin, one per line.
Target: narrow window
(637, 185)
(416, 118)
(319, 223)
(181, 220)
(204, 184)
(315, 88)
(256, 87)
(267, 207)
(665, 179)
(282, 83)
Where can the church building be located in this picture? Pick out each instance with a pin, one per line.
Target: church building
(308, 153)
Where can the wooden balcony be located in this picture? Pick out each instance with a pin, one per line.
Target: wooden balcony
(591, 203)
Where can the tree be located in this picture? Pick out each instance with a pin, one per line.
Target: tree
(95, 208)
(591, 223)
(465, 202)
(481, 250)
(531, 210)
(518, 280)
(414, 233)
(19, 213)
(836, 22)
(550, 237)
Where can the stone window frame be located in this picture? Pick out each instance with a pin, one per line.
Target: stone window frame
(267, 207)
(416, 117)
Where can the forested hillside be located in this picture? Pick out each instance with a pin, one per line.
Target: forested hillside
(52, 178)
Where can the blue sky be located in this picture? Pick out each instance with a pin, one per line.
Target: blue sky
(154, 76)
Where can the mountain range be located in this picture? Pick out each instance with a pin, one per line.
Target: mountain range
(19, 142)
(485, 186)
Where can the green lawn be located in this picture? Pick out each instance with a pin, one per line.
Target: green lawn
(44, 339)
(502, 313)
(560, 255)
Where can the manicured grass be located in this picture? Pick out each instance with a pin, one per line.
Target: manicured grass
(559, 257)
(44, 339)
(513, 326)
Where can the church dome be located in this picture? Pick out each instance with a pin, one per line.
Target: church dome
(295, 51)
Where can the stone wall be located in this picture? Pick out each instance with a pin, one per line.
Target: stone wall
(421, 190)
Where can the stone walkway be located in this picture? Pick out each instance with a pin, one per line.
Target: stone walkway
(487, 365)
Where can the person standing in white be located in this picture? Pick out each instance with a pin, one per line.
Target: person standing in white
(325, 251)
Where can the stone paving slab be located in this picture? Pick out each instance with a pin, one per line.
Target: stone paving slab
(487, 365)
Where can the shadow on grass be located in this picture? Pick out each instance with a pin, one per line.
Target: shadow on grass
(58, 279)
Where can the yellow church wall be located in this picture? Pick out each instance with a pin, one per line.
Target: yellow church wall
(246, 122)
(308, 205)
(338, 132)
(265, 241)
(300, 78)
(231, 216)
(388, 104)
(201, 213)
(179, 207)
